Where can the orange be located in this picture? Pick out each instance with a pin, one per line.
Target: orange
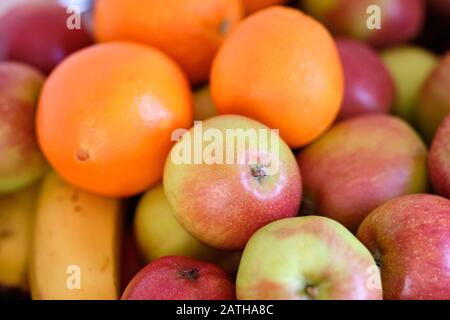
(280, 67)
(252, 6)
(189, 31)
(106, 114)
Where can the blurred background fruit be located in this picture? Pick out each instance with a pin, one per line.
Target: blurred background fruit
(189, 31)
(251, 6)
(292, 82)
(36, 33)
(180, 278)
(401, 20)
(221, 203)
(75, 228)
(16, 226)
(114, 132)
(203, 105)
(369, 87)
(439, 160)
(159, 234)
(306, 258)
(409, 237)
(434, 103)
(409, 66)
(21, 162)
(360, 164)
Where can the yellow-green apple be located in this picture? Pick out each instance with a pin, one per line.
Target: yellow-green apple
(180, 278)
(439, 160)
(239, 176)
(37, 33)
(409, 66)
(203, 105)
(409, 237)
(368, 85)
(159, 234)
(21, 162)
(311, 258)
(359, 164)
(400, 20)
(434, 102)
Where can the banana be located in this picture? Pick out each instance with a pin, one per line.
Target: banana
(16, 221)
(75, 253)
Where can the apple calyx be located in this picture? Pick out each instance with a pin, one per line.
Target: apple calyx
(189, 274)
(258, 171)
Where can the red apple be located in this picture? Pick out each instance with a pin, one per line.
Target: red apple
(400, 20)
(180, 278)
(410, 238)
(369, 87)
(21, 162)
(439, 160)
(220, 202)
(360, 164)
(37, 33)
(434, 102)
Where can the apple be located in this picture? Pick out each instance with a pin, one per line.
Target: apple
(400, 20)
(434, 102)
(439, 159)
(37, 33)
(409, 66)
(409, 237)
(203, 105)
(234, 184)
(368, 85)
(360, 164)
(180, 278)
(21, 162)
(308, 258)
(159, 234)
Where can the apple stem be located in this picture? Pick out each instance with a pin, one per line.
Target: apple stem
(311, 291)
(258, 172)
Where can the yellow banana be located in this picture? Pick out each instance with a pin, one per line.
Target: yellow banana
(16, 221)
(75, 253)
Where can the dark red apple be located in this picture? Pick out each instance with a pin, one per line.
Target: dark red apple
(358, 165)
(434, 102)
(409, 237)
(180, 278)
(369, 87)
(400, 20)
(37, 33)
(439, 160)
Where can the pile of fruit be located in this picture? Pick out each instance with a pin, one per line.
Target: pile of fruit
(116, 117)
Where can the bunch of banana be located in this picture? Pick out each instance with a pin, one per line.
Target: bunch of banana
(76, 245)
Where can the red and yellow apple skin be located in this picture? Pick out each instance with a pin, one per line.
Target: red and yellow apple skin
(21, 162)
(180, 278)
(222, 205)
(37, 34)
(360, 164)
(307, 258)
(439, 160)
(369, 87)
(401, 20)
(410, 238)
(434, 102)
